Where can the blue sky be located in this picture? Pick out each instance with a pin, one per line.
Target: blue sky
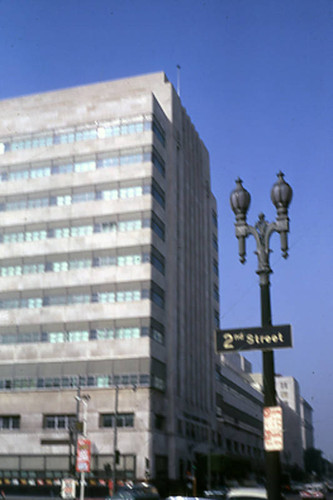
(257, 80)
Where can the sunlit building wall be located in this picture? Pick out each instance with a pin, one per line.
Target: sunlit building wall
(108, 279)
(239, 411)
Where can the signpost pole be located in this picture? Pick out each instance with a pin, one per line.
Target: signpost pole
(281, 195)
(273, 466)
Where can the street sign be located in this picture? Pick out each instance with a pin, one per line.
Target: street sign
(83, 455)
(257, 338)
(273, 429)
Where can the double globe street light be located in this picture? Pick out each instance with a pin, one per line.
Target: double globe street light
(281, 195)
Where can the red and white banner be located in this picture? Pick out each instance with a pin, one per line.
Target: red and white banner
(273, 429)
(83, 455)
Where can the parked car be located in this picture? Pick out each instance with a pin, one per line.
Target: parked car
(218, 494)
(137, 491)
(243, 493)
(329, 485)
(313, 490)
(296, 487)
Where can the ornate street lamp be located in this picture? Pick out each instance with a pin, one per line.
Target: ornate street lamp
(281, 195)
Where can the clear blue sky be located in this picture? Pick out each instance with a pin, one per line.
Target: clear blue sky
(257, 81)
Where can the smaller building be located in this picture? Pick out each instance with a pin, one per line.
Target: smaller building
(239, 412)
(307, 425)
(297, 418)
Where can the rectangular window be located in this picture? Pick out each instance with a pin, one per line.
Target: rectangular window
(158, 162)
(80, 264)
(159, 422)
(157, 260)
(157, 295)
(85, 166)
(83, 197)
(59, 422)
(105, 333)
(215, 243)
(123, 420)
(159, 132)
(157, 331)
(82, 230)
(78, 336)
(158, 226)
(129, 225)
(127, 333)
(10, 422)
(109, 194)
(57, 267)
(158, 194)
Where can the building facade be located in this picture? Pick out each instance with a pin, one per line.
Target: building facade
(109, 280)
(297, 418)
(240, 412)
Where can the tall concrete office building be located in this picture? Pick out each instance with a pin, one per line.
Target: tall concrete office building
(109, 280)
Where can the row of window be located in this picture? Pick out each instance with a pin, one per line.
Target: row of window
(237, 448)
(78, 164)
(68, 422)
(130, 332)
(25, 202)
(102, 130)
(93, 381)
(34, 301)
(111, 331)
(19, 269)
(87, 229)
(48, 478)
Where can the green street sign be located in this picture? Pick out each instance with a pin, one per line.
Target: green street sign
(251, 339)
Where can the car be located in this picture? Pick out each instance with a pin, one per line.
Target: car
(218, 494)
(329, 485)
(247, 493)
(137, 491)
(296, 487)
(313, 490)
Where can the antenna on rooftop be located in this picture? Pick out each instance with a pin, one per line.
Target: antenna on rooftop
(178, 80)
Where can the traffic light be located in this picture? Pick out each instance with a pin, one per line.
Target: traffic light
(107, 468)
(191, 482)
(117, 457)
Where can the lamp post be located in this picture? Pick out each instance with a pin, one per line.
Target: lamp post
(281, 195)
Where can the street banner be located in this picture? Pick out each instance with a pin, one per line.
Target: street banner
(68, 488)
(273, 428)
(83, 455)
